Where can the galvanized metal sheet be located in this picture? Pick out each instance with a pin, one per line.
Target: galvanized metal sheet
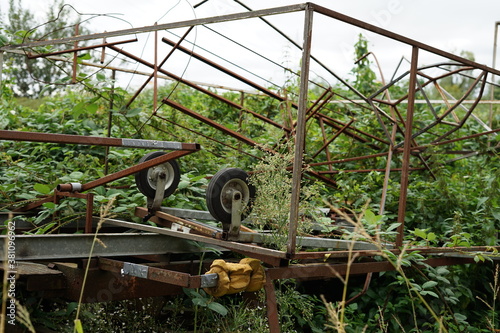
(153, 144)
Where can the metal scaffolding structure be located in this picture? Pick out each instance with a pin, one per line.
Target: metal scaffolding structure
(397, 140)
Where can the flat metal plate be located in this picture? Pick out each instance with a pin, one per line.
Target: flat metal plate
(63, 246)
(209, 280)
(135, 270)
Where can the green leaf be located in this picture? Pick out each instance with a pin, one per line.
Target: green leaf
(431, 236)
(420, 233)
(133, 112)
(41, 188)
(460, 317)
(45, 228)
(200, 302)
(84, 56)
(217, 307)
(76, 175)
(429, 284)
(481, 201)
(78, 109)
(91, 108)
(49, 205)
(71, 307)
(430, 293)
(100, 77)
(183, 184)
(3, 40)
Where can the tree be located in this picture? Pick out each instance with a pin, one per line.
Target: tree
(32, 77)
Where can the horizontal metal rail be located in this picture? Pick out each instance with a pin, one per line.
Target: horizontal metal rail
(95, 140)
(65, 246)
(181, 279)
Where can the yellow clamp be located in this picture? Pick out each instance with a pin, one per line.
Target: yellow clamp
(247, 275)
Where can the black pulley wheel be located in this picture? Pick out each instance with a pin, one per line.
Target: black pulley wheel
(220, 193)
(147, 179)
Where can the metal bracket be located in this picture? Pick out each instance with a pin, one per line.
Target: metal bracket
(135, 270)
(209, 280)
(234, 227)
(154, 205)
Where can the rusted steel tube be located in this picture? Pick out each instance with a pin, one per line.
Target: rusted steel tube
(210, 122)
(159, 66)
(84, 48)
(300, 132)
(226, 71)
(134, 169)
(95, 140)
(201, 89)
(407, 148)
(70, 187)
(271, 305)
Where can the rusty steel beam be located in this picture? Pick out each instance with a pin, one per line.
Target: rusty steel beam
(334, 270)
(300, 134)
(166, 220)
(226, 71)
(84, 48)
(166, 276)
(370, 253)
(326, 172)
(271, 305)
(210, 122)
(405, 174)
(327, 142)
(114, 176)
(165, 26)
(199, 88)
(155, 73)
(248, 249)
(400, 38)
(95, 140)
(134, 169)
(105, 286)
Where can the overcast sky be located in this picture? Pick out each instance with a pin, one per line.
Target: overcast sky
(451, 25)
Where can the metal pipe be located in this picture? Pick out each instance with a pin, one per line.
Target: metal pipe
(75, 55)
(225, 70)
(407, 147)
(300, 131)
(134, 169)
(201, 89)
(76, 49)
(159, 66)
(165, 26)
(1, 73)
(493, 65)
(95, 140)
(110, 120)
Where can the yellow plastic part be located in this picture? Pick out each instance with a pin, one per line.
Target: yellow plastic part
(247, 275)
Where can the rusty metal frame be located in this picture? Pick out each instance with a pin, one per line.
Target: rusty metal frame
(384, 145)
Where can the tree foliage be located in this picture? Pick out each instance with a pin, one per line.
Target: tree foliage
(34, 77)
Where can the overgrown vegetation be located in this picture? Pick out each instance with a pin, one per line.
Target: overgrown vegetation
(458, 206)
